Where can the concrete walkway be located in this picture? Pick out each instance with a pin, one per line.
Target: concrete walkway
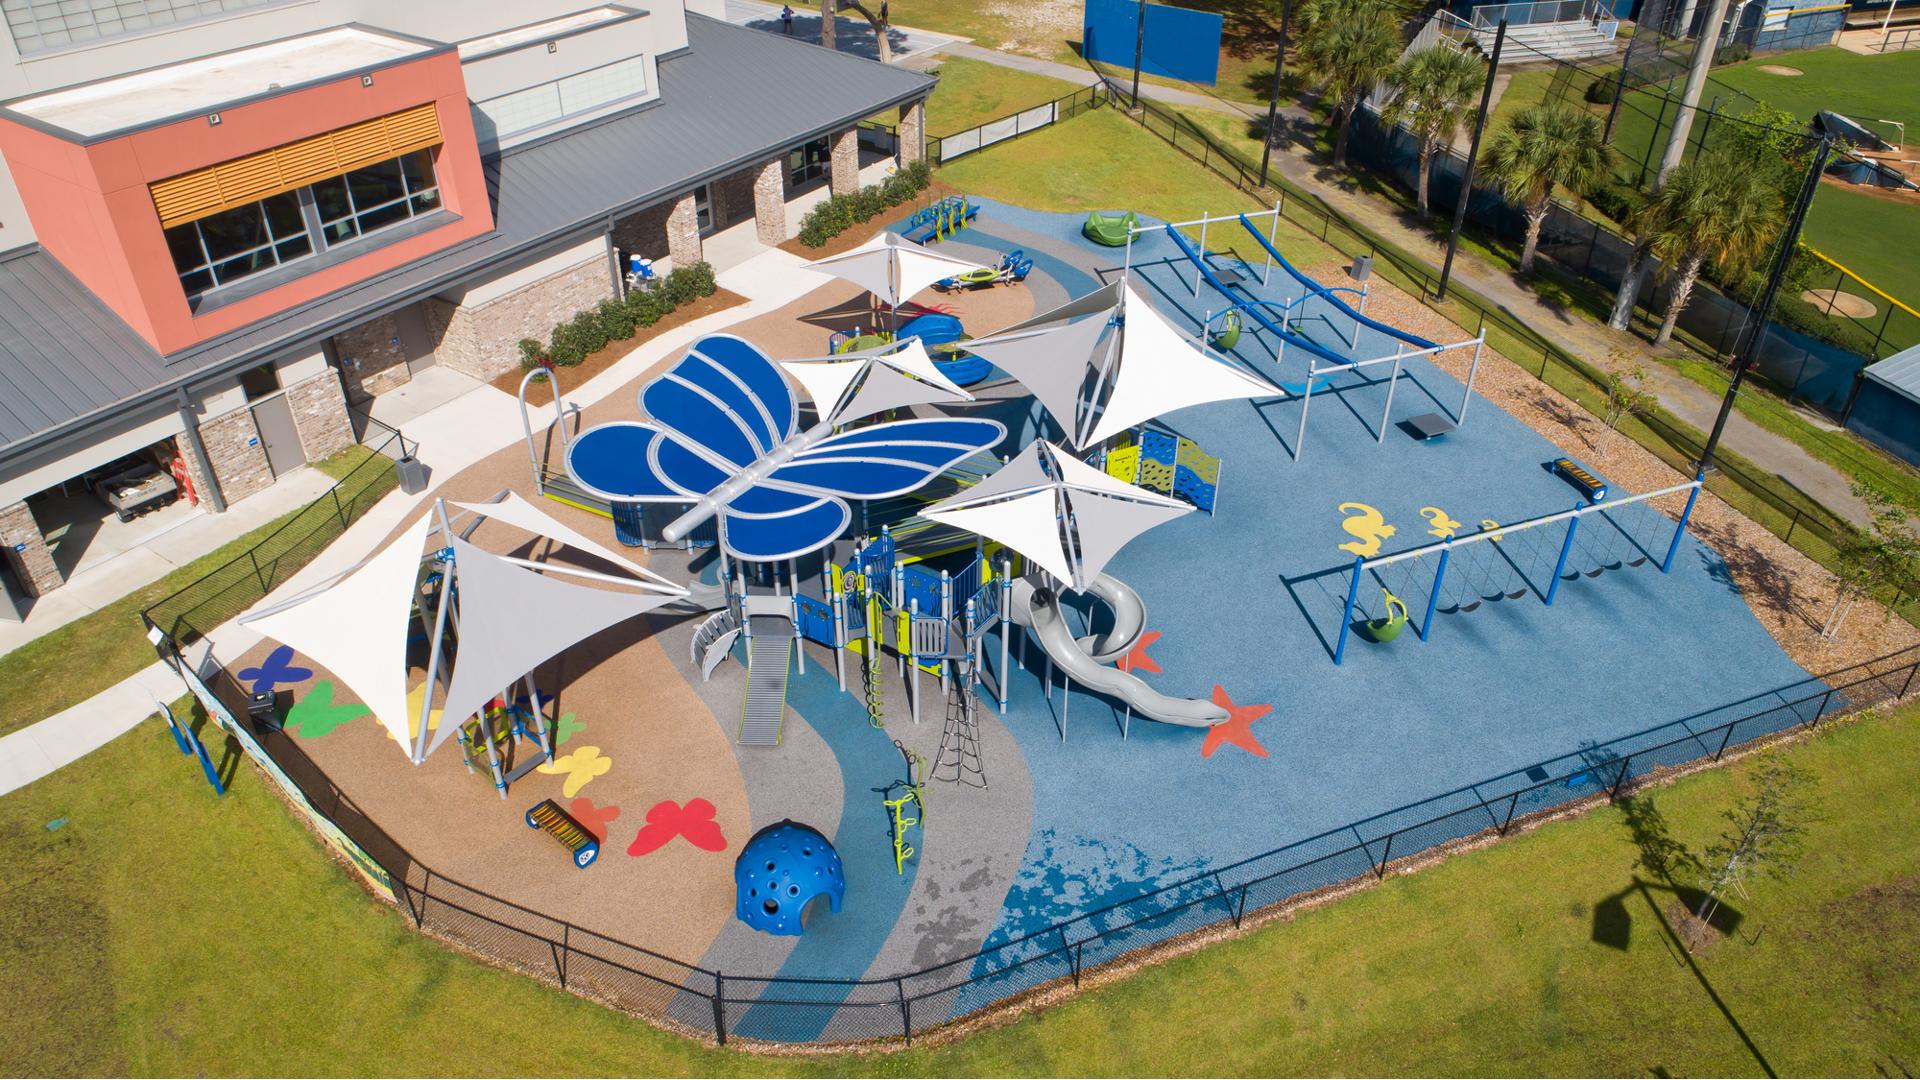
(1571, 331)
(452, 437)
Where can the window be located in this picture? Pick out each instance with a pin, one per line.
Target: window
(38, 25)
(703, 207)
(245, 240)
(232, 244)
(524, 110)
(260, 382)
(375, 197)
(809, 162)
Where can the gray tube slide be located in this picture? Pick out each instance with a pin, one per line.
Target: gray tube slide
(1038, 610)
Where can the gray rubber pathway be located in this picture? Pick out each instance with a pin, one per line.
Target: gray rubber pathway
(1575, 333)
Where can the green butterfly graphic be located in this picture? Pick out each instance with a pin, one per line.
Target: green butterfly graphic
(315, 714)
(567, 728)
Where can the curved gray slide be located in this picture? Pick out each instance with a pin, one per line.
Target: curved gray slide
(1038, 610)
(1129, 620)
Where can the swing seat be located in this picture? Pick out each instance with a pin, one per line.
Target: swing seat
(1382, 631)
(1466, 608)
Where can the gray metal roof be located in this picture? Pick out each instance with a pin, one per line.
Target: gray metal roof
(727, 100)
(1899, 373)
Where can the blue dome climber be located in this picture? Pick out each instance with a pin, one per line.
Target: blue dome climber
(780, 870)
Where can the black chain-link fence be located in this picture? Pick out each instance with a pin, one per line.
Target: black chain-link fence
(238, 584)
(780, 1009)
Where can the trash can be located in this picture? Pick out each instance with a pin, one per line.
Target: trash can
(262, 710)
(1362, 268)
(413, 474)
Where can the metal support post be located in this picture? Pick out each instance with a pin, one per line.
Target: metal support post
(1680, 529)
(1433, 597)
(1566, 549)
(1346, 613)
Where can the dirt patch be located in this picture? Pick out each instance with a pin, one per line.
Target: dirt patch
(1035, 27)
(1781, 69)
(1789, 593)
(1835, 302)
(616, 351)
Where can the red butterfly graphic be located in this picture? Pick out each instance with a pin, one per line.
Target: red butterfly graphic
(594, 819)
(669, 819)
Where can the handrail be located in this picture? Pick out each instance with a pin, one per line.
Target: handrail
(1259, 316)
(1391, 331)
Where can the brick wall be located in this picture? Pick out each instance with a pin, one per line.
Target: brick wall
(844, 174)
(238, 456)
(202, 483)
(683, 232)
(371, 360)
(320, 415)
(913, 132)
(484, 341)
(33, 564)
(644, 233)
(770, 202)
(732, 197)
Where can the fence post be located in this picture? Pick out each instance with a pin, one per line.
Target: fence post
(254, 558)
(561, 950)
(1825, 700)
(1513, 804)
(719, 1008)
(1566, 548)
(1903, 686)
(1240, 909)
(1386, 856)
(1073, 956)
(1724, 740)
(1626, 764)
(338, 510)
(906, 1010)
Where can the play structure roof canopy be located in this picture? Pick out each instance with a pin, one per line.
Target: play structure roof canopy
(1057, 511)
(854, 385)
(512, 618)
(892, 267)
(1139, 366)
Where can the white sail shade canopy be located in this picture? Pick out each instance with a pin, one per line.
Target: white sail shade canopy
(854, 385)
(357, 627)
(1059, 512)
(521, 514)
(1108, 361)
(892, 268)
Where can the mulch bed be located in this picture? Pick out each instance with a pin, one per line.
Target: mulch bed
(616, 351)
(861, 233)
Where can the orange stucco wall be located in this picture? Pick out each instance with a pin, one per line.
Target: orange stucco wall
(91, 209)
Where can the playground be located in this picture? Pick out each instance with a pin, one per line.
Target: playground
(1314, 578)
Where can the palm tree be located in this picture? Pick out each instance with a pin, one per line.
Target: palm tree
(1351, 45)
(1715, 208)
(1540, 147)
(1434, 88)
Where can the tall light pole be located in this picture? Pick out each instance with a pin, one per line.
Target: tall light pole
(1473, 161)
(1139, 47)
(1749, 341)
(1273, 102)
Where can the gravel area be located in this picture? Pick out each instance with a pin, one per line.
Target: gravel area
(1789, 593)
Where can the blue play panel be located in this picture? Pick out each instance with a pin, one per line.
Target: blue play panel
(1249, 599)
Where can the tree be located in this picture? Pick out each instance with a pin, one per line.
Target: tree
(1351, 45)
(1765, 140)
(827, 28)
(1714, 208)
(1627, 394)
(1543, 146)
(1763, 836)
(1435, 87)
(1878, 557)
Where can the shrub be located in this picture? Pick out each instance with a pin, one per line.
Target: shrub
(701, 274)
(533, 354)
(616, 319)
(567, 348)
(841, 212)
(645, 306)
(1617, 201)
(1600, 90)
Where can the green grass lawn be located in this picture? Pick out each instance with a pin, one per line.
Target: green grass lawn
(67, 666)
(1863, 87)
(163, 931)
(971, 92)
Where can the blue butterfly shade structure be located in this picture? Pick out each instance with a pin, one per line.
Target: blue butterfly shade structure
(724, 435)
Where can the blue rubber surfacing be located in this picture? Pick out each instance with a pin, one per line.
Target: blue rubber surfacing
(1495, 690)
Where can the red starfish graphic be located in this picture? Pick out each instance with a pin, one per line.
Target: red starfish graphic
(669, 819)
(1237, 730)
(1137, 658)
(593, 818)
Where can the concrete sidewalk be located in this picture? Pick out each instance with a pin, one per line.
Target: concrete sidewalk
(452, 437)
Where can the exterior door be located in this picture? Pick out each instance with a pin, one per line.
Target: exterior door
(416, 344)
(274, 418)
